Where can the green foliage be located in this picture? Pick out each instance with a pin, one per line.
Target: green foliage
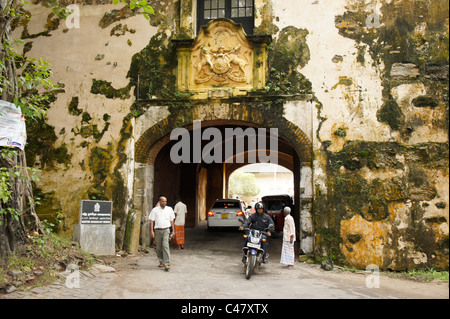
(26, 82)
(243, 184)
(143, 4)
(34, 78)
(6, 173)
(426, 275)
(44, 252)
(58, 10)
(421, 275)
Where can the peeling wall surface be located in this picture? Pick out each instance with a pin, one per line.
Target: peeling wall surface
(363, 84)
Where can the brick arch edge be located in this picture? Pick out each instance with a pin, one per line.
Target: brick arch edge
(153, 139)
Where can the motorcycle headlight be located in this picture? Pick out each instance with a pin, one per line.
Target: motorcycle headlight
(255, 240)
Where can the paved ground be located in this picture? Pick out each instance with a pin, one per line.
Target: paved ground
(89, 285)
(210, 268)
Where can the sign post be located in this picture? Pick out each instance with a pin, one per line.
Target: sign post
(94, 212)
(95, 231)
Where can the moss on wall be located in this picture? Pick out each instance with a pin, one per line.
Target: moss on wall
(411, 32)
(116, 15)
(152, 69)
(105, 88)
(49, 209)
(378, 199)
(358, 191)
(391, 114)
(73, 106)
(375, 187)
(100, 162)
(41, 150)
(285, 56)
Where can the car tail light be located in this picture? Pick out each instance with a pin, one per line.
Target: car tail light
(240, 213)
(210, 213)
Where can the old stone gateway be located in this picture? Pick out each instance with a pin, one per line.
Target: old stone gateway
(200, 183)
(361, 110)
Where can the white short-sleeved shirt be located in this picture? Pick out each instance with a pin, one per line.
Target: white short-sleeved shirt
(162, 217)
(180, 209)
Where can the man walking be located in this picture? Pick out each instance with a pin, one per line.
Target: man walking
(161, 219)
(287, 251)
(180, 210)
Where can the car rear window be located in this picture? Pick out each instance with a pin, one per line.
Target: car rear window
(226, 205)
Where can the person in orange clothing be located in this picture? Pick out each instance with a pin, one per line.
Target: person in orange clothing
(180, 210)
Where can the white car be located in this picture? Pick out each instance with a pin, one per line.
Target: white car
(225, 213)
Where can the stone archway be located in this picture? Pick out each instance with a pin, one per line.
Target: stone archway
(151, 150)
(155, 137)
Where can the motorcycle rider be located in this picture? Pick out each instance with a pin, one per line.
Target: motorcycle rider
(259, 221)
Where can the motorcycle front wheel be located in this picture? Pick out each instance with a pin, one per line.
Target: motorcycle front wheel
(257, 264)
(251, 261)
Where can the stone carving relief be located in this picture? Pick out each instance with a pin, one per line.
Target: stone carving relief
(222, 54)
(220, 62)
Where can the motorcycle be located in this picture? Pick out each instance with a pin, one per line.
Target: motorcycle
(253, 252)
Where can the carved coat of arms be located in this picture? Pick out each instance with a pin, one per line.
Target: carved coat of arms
(222, 54)
(220, 64)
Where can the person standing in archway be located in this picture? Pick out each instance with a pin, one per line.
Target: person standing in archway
(180, 210)
(161, 220)
(287, 251)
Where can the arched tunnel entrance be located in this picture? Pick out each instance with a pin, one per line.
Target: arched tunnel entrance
(200, 183)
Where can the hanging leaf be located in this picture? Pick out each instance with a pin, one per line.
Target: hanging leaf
(149, 10)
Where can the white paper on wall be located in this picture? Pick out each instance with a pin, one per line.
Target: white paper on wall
(12, 126)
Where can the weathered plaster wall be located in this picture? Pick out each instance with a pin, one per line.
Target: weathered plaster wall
(386, 86)
(372, 100)
(350, 92)
(90, 117)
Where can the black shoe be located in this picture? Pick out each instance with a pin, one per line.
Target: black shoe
(265, 261)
